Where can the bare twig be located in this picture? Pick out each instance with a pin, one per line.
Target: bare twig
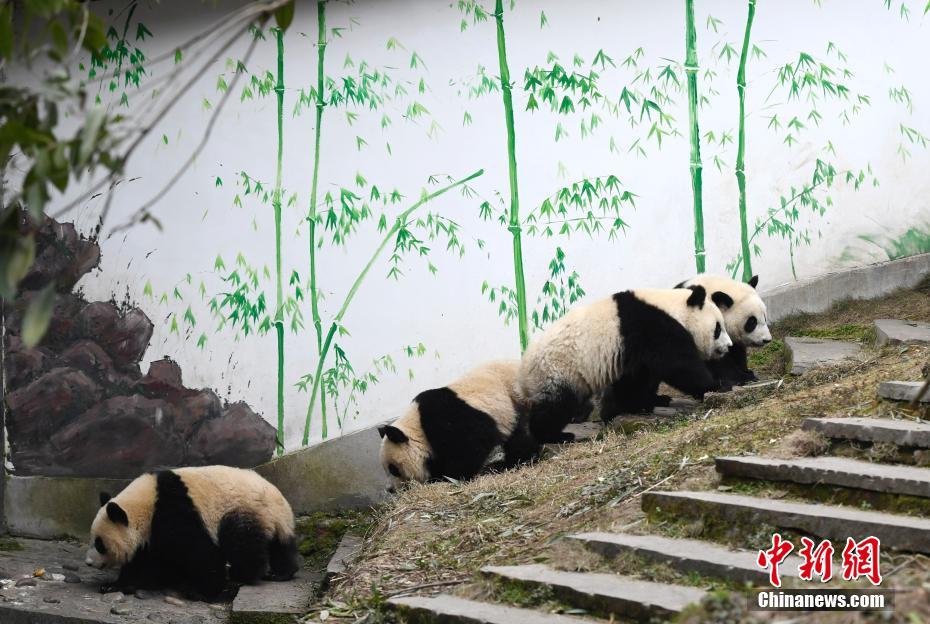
(413, 588)
(142, 212)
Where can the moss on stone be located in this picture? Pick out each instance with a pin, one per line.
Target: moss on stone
(319, 534)
(9, 545)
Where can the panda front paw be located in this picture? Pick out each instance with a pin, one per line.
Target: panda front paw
(109, 589)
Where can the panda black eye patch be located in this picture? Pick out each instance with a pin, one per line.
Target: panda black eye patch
(99, 546)
(751, 324)
(393, 470)
(717, 331)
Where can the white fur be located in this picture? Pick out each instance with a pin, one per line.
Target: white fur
(746, 303)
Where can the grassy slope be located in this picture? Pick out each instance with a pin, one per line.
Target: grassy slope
(443, 533)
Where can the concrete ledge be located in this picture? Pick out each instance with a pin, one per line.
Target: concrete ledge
(49, 507)
(817, 294)
(340, 473)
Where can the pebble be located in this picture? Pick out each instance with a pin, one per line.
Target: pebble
(71, 577)
(141, 594)
(54, 577)
(217, 607)
(175, 601)
(71, 566)
(120, 610)
(51, 600)
(114, 597)
(26, 582)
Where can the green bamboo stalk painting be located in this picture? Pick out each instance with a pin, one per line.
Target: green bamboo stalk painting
(312, 215)
(694, 134)
(276, 203)
(394, 232)
(514, 221)
(741, 145)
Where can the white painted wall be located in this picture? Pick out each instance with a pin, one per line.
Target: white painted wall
(447, 312)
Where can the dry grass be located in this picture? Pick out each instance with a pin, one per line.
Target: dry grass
(446, 532)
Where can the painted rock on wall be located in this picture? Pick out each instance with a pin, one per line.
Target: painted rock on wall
(78, 403)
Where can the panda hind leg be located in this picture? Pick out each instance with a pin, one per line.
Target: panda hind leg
(244, 544)
(520, 447)
(283, 558)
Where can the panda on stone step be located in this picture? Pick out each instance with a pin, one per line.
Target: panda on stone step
(179, 528)
(653, 335)
(746, 321)
(452, 431)
(745, 318)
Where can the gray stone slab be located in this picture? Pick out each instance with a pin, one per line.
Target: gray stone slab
(851, 473)
(900, 432)
(604, 593)
(54, 507)
(584, 431)
(446, 608)
(272, 602)
(817, 294)
(808, 353)
(687, 556)
(894, 331)
(349, 547)
(59, 602)
(826, 521)
(902, 391)
(339, 473)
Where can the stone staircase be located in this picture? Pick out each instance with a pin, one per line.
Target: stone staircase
(609, 595)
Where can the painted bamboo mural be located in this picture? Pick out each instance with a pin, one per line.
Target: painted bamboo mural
(694, 134)
(398, 232)
(312, 215)
(276, 203)
(741, 144)
(514, 224)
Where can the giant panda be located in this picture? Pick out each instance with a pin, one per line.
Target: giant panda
(744, 313)
(179, 528)
(651, 335)
(452, 431)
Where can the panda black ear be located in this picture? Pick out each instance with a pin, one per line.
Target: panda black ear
(116, 514)
(393, 434)
(723, 300)
(680, 284)
(104, 498)
(698, 295)
(753, 281)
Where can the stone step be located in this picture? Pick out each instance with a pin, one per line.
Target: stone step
(272, 602)
(604, 593)
(349, 546)
(893, 331)
(687, 556)
(825, 521)
(902, 391)
(851, 473)
(808, 353)
(445, 608)
(900, 432)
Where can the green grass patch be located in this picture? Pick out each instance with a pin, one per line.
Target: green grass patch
(9, 545)
(853, 332)
(772, 359)
(319, 534)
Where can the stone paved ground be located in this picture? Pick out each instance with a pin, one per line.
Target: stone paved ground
(69, 593)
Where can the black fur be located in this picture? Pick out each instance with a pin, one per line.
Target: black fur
(723, 300)
(461, 437)
(393, 434)
(733, 368)
(549, 414)
(180, 552)
(656, 348)
(283, 560)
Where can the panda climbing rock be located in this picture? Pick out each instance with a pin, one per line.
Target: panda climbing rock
(452, 431)
(745, 317)
(650, 335)
(179, 528)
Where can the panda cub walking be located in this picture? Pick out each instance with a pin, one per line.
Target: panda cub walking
(452, 431)
(179, 528)
(651, 335)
